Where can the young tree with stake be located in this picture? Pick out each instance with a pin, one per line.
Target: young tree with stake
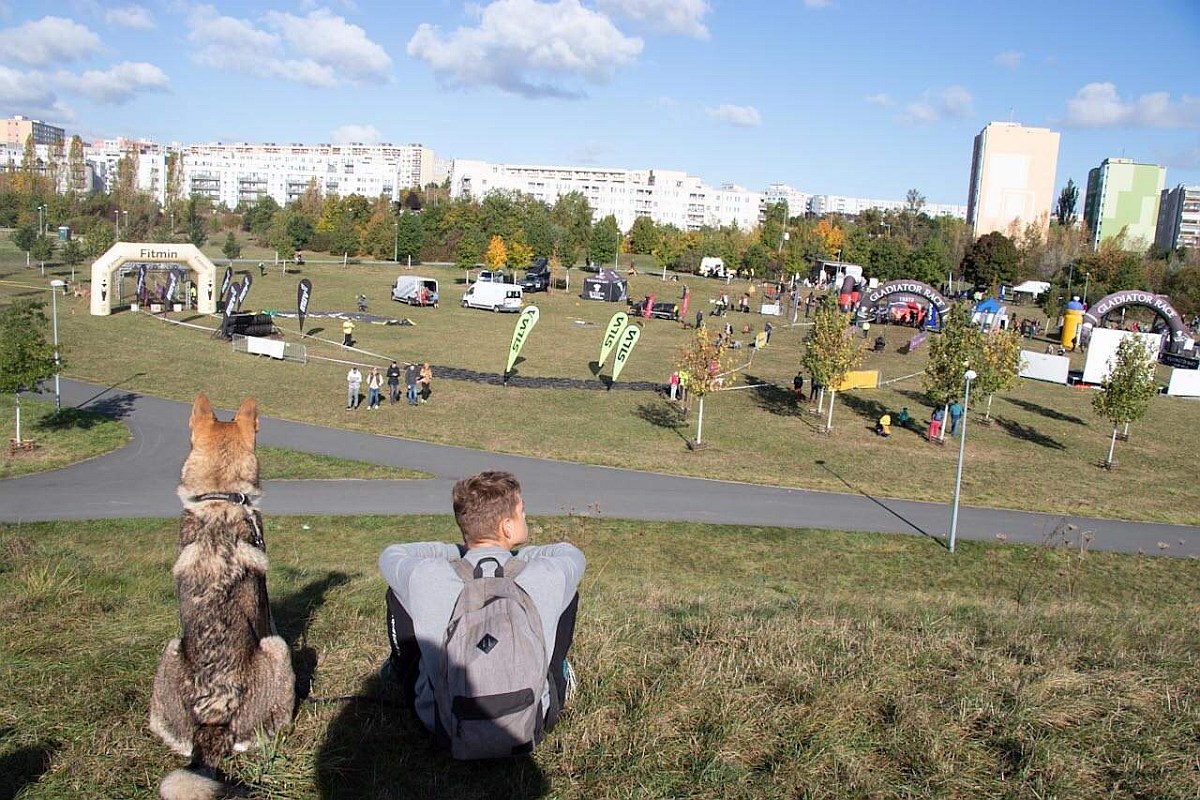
(830, 351)
(1125, 394)
(26, 358)
(958, 348)
(1000, 368)
(702, 367)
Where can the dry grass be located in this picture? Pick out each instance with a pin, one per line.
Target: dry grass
(715, 662)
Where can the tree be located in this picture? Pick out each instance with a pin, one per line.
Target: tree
(830, 351)
(914, 201)
(1064, 210)
(519, 251)
(98, 238)
(573, 216)
(410, 236)
(958, 348)
(42, 249)
(643, 236)
(1125, 394)
(72, 253)
(231, 248)
(702, 369)
(604, 241)
(999, 370)
(26, 358)
(497, 254)
(24, 237)
(76, 166)
(990, 260)
(196, 228)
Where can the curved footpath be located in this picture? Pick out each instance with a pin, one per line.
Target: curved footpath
(139, 481)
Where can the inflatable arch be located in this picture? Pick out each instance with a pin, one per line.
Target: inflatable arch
(105, 268)
(1136, 297)
(923, 290)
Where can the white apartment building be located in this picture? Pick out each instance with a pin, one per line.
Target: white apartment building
(103, 155)
(232, 173)
(1179, 218)
(822, 204)
(797, 201)
(665, 196)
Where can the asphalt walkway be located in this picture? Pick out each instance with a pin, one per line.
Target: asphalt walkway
(139, 480)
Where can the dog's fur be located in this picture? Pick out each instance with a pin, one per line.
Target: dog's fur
(229, 677)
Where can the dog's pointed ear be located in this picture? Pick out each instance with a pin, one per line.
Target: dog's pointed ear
(201, 411)
(247, 415)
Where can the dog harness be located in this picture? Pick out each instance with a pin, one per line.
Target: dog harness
(247, 503)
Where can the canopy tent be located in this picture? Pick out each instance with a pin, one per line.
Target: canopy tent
(1031, 288)
(607, 286)
(990, 314)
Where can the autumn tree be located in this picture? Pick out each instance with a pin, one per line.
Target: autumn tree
(1064, 209)
(957, 349)
(1125, 394)
(832, 236)
(830, 351)
(497, 254)
(76, 166)
(703, 368)
(519, 251)
(990, 260)
(98, 238)
(999, 369)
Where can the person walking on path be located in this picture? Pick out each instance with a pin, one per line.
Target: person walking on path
(353, 384)
(374, 389)
(393, 381)
(956, 414)
(347, 332)
(425, 379)
(410, 383)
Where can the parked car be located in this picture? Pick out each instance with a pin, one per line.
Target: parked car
(493, 296)
(537, 278)
(494, 276)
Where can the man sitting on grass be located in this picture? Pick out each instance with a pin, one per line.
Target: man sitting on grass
(427, 593)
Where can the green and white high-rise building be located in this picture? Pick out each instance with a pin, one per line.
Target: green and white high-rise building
(1123, 196)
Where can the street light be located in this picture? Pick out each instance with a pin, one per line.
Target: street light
(1087, 278)
(41, 220)
(56, 286)
(117, 217)
(962, 446)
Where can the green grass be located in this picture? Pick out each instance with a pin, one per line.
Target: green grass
(1041, 454)
(64, 438)
(714, 662)
(279, 464)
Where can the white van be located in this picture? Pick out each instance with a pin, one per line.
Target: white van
(712, 267)
(416, 290)
(493, 296)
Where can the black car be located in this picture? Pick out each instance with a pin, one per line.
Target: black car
(537, 278)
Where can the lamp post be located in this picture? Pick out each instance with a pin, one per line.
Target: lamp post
(42, 220)
(962, 446)
(117, 217)
(56, 286)
(1087, 279)
(1070, 279)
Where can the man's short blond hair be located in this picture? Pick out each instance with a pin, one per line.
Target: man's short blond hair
(482, 502)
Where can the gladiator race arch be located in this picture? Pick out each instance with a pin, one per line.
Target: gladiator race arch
(106, 272)
(1157, 303)
(910, 288)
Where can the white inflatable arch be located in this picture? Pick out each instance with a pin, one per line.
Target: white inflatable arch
(105, 268)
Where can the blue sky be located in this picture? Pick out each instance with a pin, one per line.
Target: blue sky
(850, 97)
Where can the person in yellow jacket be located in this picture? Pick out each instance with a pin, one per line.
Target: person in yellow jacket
(347, 332)
(884, 426)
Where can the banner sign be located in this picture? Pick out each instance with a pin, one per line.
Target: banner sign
(172, 285)
(525, 323)
(141, 284)
(231, 299)
(612, 334)
(629, 337)
(303, 293)
(226, 281)
(243, 291)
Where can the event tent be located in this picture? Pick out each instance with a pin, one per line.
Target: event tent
(607, 286)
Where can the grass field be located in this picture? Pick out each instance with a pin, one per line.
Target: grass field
(714, 662)
(1041, 453)
(60, 439)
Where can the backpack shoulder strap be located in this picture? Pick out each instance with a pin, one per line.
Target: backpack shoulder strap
(467, 572)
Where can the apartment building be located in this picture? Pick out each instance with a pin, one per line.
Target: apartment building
(1178, 218)
(18, 129)
(1123, 195)
(665, 196)
(103, 156)
(797, 201)
(821, 204)
(233, 173)
(1012, 179)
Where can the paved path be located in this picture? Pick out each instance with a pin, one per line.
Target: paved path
(139, 480)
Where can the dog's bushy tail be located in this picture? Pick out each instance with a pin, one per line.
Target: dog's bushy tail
(201, 780)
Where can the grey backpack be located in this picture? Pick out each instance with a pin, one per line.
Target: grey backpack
(494, 663)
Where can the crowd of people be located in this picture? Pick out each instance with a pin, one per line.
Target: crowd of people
(418, 382)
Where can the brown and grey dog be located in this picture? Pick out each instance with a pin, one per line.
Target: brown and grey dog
(229, 677)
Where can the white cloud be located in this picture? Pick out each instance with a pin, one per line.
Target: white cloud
(742, 116)
(1009, 59)
(882, 99)
(363, 134)
(328, 51)
(937, 104)
(1098, 105)
(672, 16)
(332, 42)
(30, 94)
(129, 17)
(117, 84)
(527, 48)
(47, 41)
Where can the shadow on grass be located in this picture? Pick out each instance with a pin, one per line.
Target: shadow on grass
(664, 414)
(68, 419)
(868, 409)
(1043, 411)
(292, 614)
(820, 463)
(376, 748)
(1028, 433)
(773, 398)
(22, 766)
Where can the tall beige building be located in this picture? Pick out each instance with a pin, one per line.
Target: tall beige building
(1012, 179)
(17, 129)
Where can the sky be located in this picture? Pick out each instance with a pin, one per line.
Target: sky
(849, 97)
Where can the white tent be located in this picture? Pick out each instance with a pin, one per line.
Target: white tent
(1032, 288)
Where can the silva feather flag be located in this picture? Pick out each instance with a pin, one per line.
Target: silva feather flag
(172, 285)
(228, 279)
(525, 323)
(629, 337)
(612, 334)
(141, 283)
(303, 293)
(245, 290)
